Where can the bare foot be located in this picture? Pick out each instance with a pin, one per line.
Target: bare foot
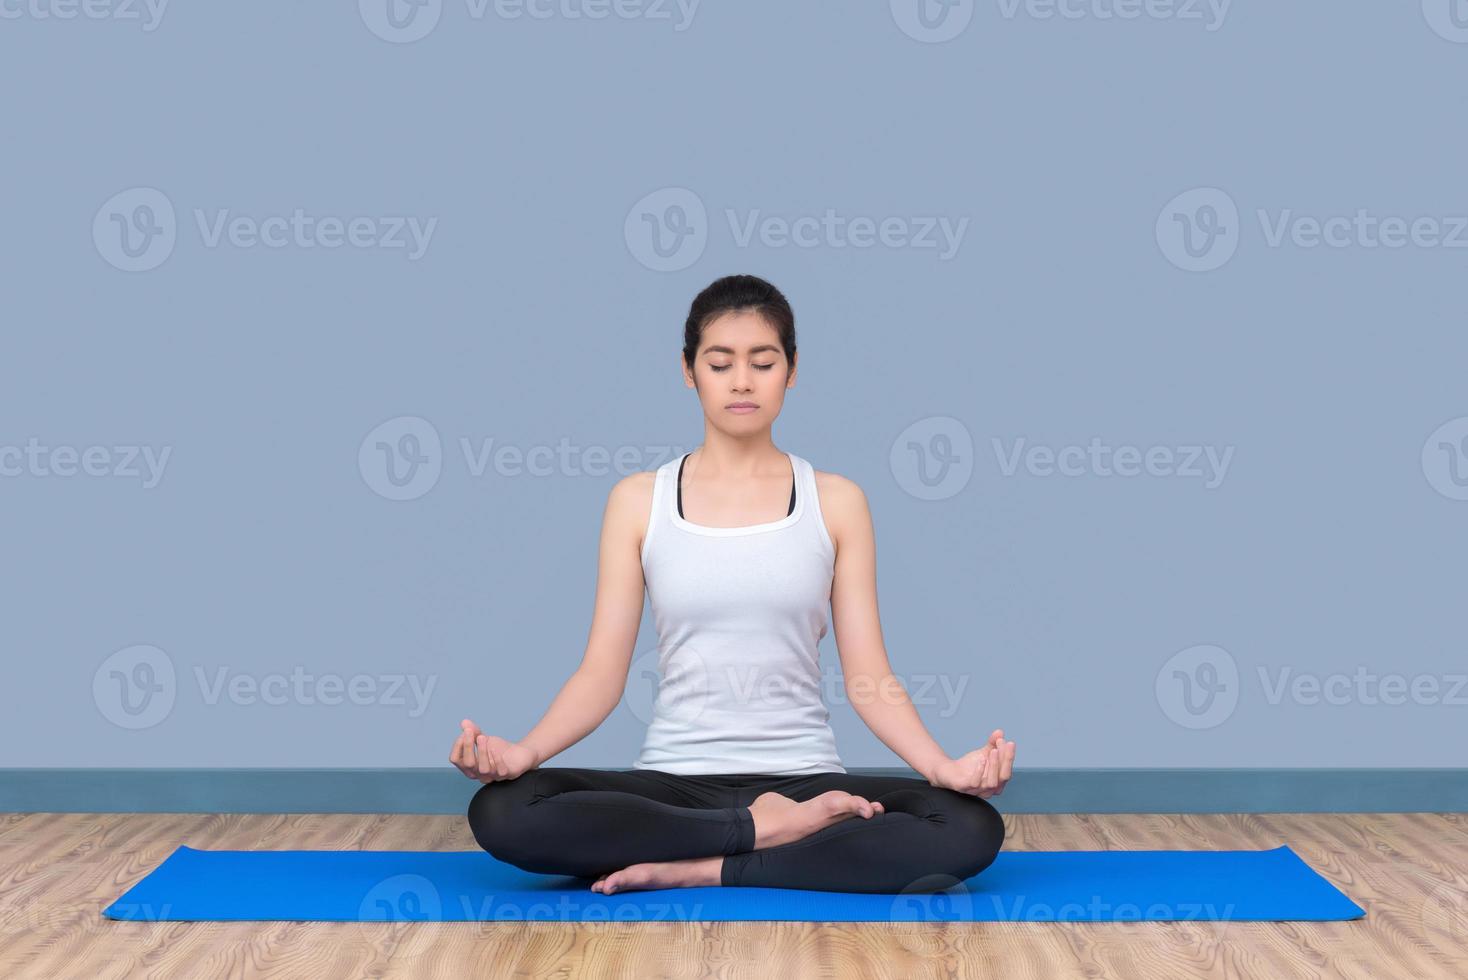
(780, 820)
(689, 873)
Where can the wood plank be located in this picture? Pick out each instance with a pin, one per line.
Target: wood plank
(1410, 872)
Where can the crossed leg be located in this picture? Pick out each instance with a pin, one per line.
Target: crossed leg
(927, 839)
(649, 829)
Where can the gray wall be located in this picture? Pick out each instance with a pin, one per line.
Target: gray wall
(1134, 209)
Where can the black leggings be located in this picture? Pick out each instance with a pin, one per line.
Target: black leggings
(590, 822)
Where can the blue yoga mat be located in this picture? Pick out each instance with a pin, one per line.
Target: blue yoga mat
(470, 886)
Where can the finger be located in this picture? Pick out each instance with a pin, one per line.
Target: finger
(999, 779)
(1006, 769)
(996, 737)
(455, 753)
(464, 757)
(1002, 780)
(991, 772)
(975, 779)
(481, 749)
(469, 726)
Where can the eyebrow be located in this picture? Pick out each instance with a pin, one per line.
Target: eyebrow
(729, 350)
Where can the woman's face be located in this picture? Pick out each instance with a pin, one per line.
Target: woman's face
(740, 363)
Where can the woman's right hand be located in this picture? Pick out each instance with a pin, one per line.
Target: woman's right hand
(489, 758)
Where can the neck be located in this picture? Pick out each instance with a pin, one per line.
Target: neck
(724, 456)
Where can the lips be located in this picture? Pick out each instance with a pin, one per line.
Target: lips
(745, 405)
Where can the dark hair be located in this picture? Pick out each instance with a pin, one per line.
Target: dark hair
(739, 293)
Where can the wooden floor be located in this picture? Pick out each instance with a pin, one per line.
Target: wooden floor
(1409, 871)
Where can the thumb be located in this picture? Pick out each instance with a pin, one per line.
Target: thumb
(469, 727)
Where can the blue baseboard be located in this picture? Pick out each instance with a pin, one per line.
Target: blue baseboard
(445, 790)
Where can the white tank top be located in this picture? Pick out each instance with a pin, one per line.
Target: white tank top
(739, 614)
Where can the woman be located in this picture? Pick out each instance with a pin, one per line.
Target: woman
(738, 781)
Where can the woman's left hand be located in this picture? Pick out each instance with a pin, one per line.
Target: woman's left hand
(982, 772)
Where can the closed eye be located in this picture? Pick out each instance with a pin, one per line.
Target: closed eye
(725, 367)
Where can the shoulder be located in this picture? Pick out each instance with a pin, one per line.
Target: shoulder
(843, 503)
(634, 485)
(629, 502)
(838, 490)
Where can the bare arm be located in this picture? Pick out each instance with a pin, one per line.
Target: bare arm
(593, 690)
(877, 695)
